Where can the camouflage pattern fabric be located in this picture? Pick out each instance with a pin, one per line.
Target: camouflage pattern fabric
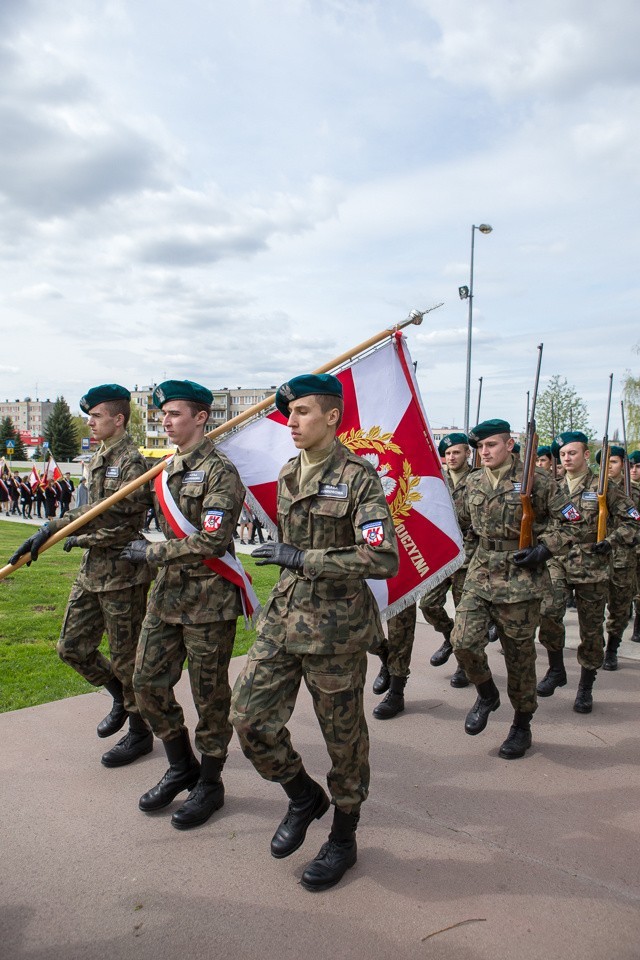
(401, 633)
(162, 649)
(622, 579)
(119, 613)
(590, 602)
(319, 624)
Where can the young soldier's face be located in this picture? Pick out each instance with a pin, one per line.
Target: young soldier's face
(455, 457)
(183, 428)
(544, 461)
(495, 450)
(634, 469)
(311, 428)
(104, 425)
(615, 467)
(574, 458)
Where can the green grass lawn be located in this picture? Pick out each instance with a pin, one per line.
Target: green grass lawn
(32, 604)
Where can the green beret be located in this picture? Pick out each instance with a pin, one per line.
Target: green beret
(569, 436)
(544, 452)
(451, 440)
(181, 390)
(634, 457)
(614, 451)
(488, 428)
(102, 394)
(305, 386)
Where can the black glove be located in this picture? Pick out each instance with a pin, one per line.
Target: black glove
(602, 549)
(69, 544)
(281, 553)
(135, 551)
(531, 557)
(32, 545)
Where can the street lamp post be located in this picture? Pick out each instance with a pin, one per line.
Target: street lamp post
(466, 293)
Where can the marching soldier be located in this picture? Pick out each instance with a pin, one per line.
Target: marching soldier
(335, 530)
(503, 584)
(544, 459)
(583, 566)
(193, 605)
(634, 470)
(110, 592)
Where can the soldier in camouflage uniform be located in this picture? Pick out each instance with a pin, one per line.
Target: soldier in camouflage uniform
(192, 609)
(335, 530)
(584, 565)
(109, 593)
(634, 469)
(622, 573)
(503, 583)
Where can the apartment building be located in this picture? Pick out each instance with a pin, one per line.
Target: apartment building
(29, 417)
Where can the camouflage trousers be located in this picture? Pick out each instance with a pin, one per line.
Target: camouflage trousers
(622, 586)
(161, 654)
(432, 604)
(516, 623)
(398, 647)
(119, 614)
(263, 700)
(590, 601)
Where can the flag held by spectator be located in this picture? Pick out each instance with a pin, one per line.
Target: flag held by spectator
(52, 471)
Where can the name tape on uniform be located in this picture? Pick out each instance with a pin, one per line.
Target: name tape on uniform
(194, 476)
(336, 491)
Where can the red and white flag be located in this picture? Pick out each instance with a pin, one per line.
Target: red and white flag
(385, 422)
(34, 478)
(52, 471)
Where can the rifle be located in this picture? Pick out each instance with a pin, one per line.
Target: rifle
(626, 465)
(603, 479)
(475, 463)
(530, 456)
(554, 462)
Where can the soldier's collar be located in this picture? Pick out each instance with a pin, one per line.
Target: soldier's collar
(190, 458)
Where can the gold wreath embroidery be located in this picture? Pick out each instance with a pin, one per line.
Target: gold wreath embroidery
(373, 439)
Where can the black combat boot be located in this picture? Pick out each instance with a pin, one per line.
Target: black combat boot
(136, 743)
(584, 698)
(488, 701)
(519, 739)
(206, 797)
(183, 774)
(336, 856)
(381, 682)
(117, 716)
(635, 636)
(307, 802)
(393, 703)
(459, 679)
(611, 653)
(556, 675)
(443, 653)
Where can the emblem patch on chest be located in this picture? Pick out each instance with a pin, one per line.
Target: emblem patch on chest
(373, 533)
(334, 491)
(633, 513)
(212, 520)
(194, 476)
(517, 486)
(569, 512)
(589, 495)
(112, 473)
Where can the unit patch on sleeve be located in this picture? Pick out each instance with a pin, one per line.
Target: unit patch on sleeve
(633, 513)
(569, 512)
(194, 476)
(373, 533)
(112, 473)
(212, 520)
(335, 491)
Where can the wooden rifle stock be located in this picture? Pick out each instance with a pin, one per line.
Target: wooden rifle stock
(526, 524)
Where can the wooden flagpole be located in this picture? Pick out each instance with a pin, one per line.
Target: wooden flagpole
(415, 317)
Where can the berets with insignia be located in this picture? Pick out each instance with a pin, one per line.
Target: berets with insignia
(452, 440)
(103, 394)
(569, 436)
(488, 428)
(181, 390)
(634, 457)
(614, 451)
(544, 451)
(305, 386)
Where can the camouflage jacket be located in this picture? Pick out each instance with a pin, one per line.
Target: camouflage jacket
(208, 491)
(623, 555)
(492, 522)
(577, 515)
(635, 496)
(458, 494)
(104, 537)
(328, 608)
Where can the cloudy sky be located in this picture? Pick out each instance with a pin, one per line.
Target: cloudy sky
(237, 192)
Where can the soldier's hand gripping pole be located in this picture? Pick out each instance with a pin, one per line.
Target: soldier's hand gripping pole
(603, 479)
(530, 456)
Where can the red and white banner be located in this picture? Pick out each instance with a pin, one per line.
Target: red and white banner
(52, 471)
(34, 478)
(384, 421)
(226, 566)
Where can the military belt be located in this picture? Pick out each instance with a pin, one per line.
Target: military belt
(502, 546)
